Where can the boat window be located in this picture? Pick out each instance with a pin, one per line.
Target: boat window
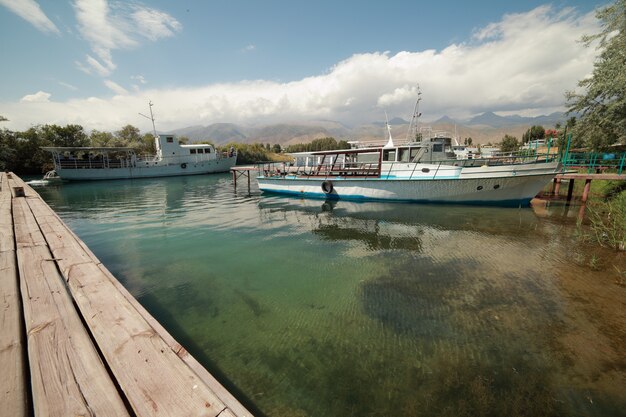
(414, 152)
(403, 155)
(438, 147)
(389, 155)
(200, 150)
(192, 151)
(170, 139)
(207, 150)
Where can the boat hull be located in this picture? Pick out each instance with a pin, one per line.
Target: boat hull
(502, 191)
(171, 170)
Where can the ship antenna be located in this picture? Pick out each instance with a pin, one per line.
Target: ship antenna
(151, 117)
(413, 126)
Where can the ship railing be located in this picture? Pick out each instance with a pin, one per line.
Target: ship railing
(337, 169)
(399, 169)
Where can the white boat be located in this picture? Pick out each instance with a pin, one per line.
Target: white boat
(171, 159)
(426, 172)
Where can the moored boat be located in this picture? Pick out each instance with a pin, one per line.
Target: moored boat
(425, 172)
(171, 159)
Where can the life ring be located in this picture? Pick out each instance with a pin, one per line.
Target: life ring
(327, 187)
(183, 166)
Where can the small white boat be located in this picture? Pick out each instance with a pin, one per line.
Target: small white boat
(425, 172)
(171, 159)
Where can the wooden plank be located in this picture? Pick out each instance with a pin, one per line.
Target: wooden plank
(61, 239)
(153, 378)
(26, 230)
(67, 374)
(13, 386)
(7, 241)
(16, 181)
(156, 382)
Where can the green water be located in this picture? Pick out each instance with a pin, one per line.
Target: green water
(309, 308)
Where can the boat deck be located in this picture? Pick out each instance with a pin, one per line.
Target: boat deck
(73, 340)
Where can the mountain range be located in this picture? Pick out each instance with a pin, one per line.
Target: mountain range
(484, 128)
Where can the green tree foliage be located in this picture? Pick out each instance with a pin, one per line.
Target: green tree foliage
(603, 102)
(101, 139)
(249, 153)
(534, 133)
(323, 144)
(509, 144)
(276, 148)
(8, 150)
(129, 135)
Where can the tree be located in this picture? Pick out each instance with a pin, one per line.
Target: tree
(69, 135)
(509, 144)
(534, 133)
(101, 139)
(8, 145)
(128, 136)
(276, 148)
(602, 105)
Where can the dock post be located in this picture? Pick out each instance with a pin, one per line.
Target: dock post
(586, 189)
(556, 186)
(234, 178)
(249, 174)
(570, 190)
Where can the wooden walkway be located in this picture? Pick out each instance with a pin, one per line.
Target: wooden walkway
(73, 341)
(573, 176)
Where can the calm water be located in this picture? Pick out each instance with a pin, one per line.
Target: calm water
(309, 308)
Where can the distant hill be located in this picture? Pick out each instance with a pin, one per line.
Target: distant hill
(483, 128)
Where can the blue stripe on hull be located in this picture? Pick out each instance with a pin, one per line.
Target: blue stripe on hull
(322, 196)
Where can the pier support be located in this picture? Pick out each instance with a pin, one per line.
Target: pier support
(586, 190)
(570, 190)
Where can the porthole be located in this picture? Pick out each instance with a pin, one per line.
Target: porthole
(425, 170)
(495, 187)
(480, 187)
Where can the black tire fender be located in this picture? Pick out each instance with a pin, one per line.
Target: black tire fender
(327, 187)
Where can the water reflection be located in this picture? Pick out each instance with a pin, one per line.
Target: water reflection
(339, 308)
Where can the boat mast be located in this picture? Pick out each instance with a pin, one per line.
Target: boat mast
(151, 117)
(390, 142)
(413, 126)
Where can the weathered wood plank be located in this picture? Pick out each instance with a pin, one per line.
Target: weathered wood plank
(13, 385)
(153, 378)
(16, 181)
(7, 241)
(67, 374)
(156, 382)
(26, 230)
(60, 237)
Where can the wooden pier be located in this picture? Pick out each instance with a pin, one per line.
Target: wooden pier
(573, 176)
(73, 340)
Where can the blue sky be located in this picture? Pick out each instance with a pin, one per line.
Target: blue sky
(98, 62)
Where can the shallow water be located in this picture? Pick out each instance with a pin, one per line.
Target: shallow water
(310, 308)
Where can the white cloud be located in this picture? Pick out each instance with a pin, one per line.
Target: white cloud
(115, 87)
(524, 63)
(38, 97)
(30, 11)
(154, 24)
(249, 48)
(68, 86)
(139, 78)
(118, 25)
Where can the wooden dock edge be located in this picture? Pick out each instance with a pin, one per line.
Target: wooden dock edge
(64, 244)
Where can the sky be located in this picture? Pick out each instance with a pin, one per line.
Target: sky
(98, 63)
